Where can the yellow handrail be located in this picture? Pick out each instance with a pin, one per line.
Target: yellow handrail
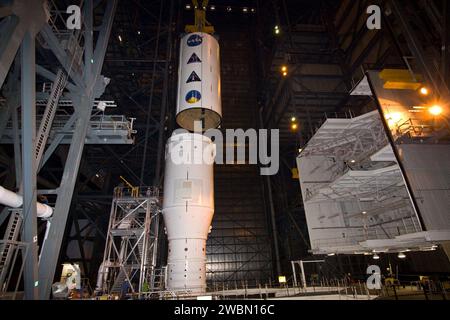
(134, 190)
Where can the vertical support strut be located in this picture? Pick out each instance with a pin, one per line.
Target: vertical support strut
(83, 99)
(28, 95)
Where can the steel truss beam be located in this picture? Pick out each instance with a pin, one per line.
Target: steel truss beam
(91, 87)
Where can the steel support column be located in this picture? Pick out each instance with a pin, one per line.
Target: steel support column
(150, 103)
(164, 104)
(52, 245)
(29, 234)
(93, 86)
(272, 210)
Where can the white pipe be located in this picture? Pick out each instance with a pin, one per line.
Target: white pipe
(14, 200)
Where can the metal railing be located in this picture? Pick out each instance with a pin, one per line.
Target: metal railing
(136, 192)
(336, 288)
(415, 290)
(97, 122)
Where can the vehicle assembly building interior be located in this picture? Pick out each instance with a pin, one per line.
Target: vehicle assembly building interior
(214, 150)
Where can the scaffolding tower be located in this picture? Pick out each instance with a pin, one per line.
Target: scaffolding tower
(129, 262)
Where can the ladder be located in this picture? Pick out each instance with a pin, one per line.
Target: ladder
(8, 246)
(49, 113)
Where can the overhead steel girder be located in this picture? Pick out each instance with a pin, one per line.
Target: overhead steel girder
(92, 86)
(58, 51)
(19, 17)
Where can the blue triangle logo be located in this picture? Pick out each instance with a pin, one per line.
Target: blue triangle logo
(194, 58)
(193, 77)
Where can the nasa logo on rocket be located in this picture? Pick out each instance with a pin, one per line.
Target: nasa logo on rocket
(194, 40)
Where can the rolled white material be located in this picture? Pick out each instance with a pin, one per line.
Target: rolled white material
(199, 94)
(14, 200)
(188, 209)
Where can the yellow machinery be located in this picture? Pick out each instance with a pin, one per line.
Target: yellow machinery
(200, 23)
(400, 79)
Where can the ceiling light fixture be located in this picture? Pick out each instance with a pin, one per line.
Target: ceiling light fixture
(424, 91)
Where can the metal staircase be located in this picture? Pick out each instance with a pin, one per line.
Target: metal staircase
(120, 279)
(49, 114)
(8, 245)
(148, 256)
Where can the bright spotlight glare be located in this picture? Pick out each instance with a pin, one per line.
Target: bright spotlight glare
(393, 118)
(435, 110)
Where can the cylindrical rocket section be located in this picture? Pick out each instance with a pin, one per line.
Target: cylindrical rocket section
(188, 209)
(199, 82)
